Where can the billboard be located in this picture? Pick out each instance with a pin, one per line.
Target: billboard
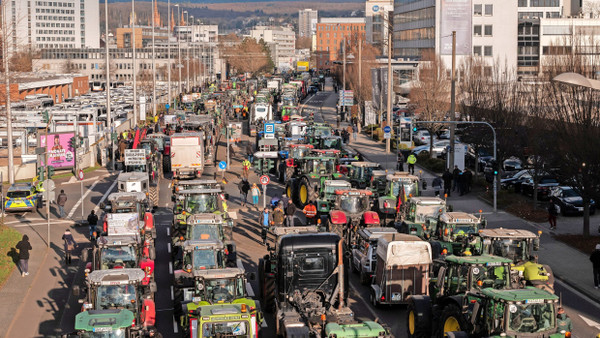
(456, 16)
(60, 153)
(302, 66)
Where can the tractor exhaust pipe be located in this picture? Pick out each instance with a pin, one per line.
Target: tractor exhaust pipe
(341, 273)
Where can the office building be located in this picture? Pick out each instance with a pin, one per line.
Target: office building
(331, 33)
(378, 15)
(281, 41)
(307, 20)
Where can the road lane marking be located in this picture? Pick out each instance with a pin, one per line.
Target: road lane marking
(97, 207)
(175, 328)
(83, 198)
(24, 225)
(170, 268)
(169, 247)
(172, 293)
(168, 231)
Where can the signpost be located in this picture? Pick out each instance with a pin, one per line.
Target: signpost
(387, 132)
(346, 98)
(264, 180)
(269, 130)
(80, 175)
(135, 157)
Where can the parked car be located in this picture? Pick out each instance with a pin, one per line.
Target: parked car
(514, 181)
(569, 201)
(422, 137)
(439, 147)
(512, 164)
(483, 158)
(545, 183)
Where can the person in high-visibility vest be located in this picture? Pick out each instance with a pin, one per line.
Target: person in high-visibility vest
(310, 211)
(246, 166)
(411, 160)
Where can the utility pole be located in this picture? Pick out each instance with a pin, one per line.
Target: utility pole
(109, 124)
(344, 77)
(170, 66)
(359, 92)
(179, 65)
(453, 102)
(134, 60)
(187, 48)
(153, 65)
(390, 78)
(11, 168)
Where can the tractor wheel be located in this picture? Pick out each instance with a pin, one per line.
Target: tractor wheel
(452, 320)
(304, 193)
(373, 299)
(418, 322)
(289, 190)
(153, 194)
(269, 294)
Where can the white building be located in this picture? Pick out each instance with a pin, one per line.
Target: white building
(483, 27)
(281, 41)
(376, 15)
(307, 22)
(567, 37)
(53, 24)
(198, 33)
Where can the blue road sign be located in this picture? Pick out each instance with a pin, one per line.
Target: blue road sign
(269, 128)
(387, 129)
(167, 106)
(222, 165)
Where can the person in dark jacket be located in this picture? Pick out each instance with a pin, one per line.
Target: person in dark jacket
(69, 245)
(290, 211)
(244, 188)
(595, 259)
(265, 220)
(61, 200)
(455, 178)
(468, 180)
(447, 177)
(92, 222)
(24, 247)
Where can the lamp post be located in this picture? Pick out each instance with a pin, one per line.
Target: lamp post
(133, 61)
(187, 43)
(109, 124)
(179, 65)
(153, 65)
(169, 65)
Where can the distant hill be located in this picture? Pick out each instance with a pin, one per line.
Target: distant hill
(200, 2)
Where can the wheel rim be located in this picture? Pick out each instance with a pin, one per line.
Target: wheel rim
(289, 191)
(411, 322)
(451, 325)
(303, 194)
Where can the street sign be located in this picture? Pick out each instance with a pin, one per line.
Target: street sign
(264, 180)
(387, 129)
(269, 128)
(80, 175)
(387, 136)
(222, 165)
(135, 156)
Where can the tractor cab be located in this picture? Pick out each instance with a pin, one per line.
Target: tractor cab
(457, 233)
(402, 180)
(200, 255)
(420, 216)
(113, 323)
(196, 184)
(133, 182)
(328, 196)
(121, 289)
(519, 246)
(329, 142)
(218, 286)
(129, 202)
(361, 174)
(297, 128)
(319, 166)
(351, 211)
(317, 131)
(197, 201)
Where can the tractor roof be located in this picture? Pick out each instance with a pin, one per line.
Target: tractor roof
(459, 217)
(401, 175)
(117, 240)
(199, 191)
(136, 196)
(280, 231)
(199, 244)
(302, 146)
(354, 192)
(319, 158)
(221, 309)
(376, 232)
(364, 164)
(103, 320)
(219, 273)
(337, 183)
(204, 218)
(527, 295)
(132, 176)
(501, 233)
(116, 276)
(20, 187)
(197, 182)
(364, 329)
(188, 134)
(483, 259)
(428, 201)
(322, 240)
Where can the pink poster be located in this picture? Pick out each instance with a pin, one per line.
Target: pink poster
(60, 153)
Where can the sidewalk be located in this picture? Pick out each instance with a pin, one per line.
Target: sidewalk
(568, 264)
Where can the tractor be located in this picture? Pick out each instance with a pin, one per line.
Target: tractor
(138, 182)
(419, 215)
(398, 185)
(295, 156)
(104, 323)
(351, 212)
(327, 198)
(361, 174)
(518, 245)
(456, 233)
(308, 184)
(195, 201)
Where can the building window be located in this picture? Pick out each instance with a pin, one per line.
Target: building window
(477, 10)
(489, 10)
(487, 30)
(487, 51)
(477, 30)
(477, 50)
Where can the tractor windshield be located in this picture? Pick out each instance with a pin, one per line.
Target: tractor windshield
(514, 249)
(299, 152)
(118, 333)
(224, 290)
(464, 229)
(421, 213)
(320, 132)
(225, 329)
(197, 204)
(527, 317)
(136, 168)
(361, 173)
(331, 143)
(354, 204)
(118, 257)
(116, 297)
(493, 276)
(321, 167)
(203, 259)
(203, 231)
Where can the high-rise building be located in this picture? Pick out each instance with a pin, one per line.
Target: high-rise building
(378, 15)
(331, 33)
(307, 19)
(282, 43)
(53, 24)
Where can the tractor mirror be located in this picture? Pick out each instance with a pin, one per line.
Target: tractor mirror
(173, 198)
(536, 244)
(251, 276)
(475, 313)
(440, 279)
(483, 223)
(449, 207)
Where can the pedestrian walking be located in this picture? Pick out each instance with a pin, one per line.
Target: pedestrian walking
(284, 201)
(354, 132)
(468, 180)
(246, 168)
(552, 213)
(455, 174)
(255, 194)
(595, 259)
(61, 200)
(290, 211)
(412, 159)
(244, 187)
(437, 185)
(400, 162)
(462, 183)
(265, 220)
(310, 211)
(24, 247)
(278, 216)
(69, 245)
(563, 321)
(249, 152)
(92, 223)
(447, 177)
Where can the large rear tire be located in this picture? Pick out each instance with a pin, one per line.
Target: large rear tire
(418, 321)
(303, 193)
(269, 294)
(153, 194)
(452, 320)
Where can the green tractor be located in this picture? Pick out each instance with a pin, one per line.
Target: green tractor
(519, 245)
(105, 323)
(361, 174)
(399, 184)
(328, 197)
(307, 186)
(420, 215)
(489, 312)
(194, 201)
(317, 131)
(456, 233)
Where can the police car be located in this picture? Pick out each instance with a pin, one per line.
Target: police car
(21, 197)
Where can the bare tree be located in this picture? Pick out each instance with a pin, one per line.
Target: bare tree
(249, 56)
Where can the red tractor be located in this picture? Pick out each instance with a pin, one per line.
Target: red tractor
(352, 211)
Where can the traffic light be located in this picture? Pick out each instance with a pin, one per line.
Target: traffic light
(50, 172)
(269, 165)
(40, 173)
(495, 167)
(414, 129)
(73, 142)
(80, 141)
(45, 116)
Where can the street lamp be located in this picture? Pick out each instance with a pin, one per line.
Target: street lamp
(153, 65)
(170, 66)
(134, 61)
(179, 65)
(109, 124)
(187, 43)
